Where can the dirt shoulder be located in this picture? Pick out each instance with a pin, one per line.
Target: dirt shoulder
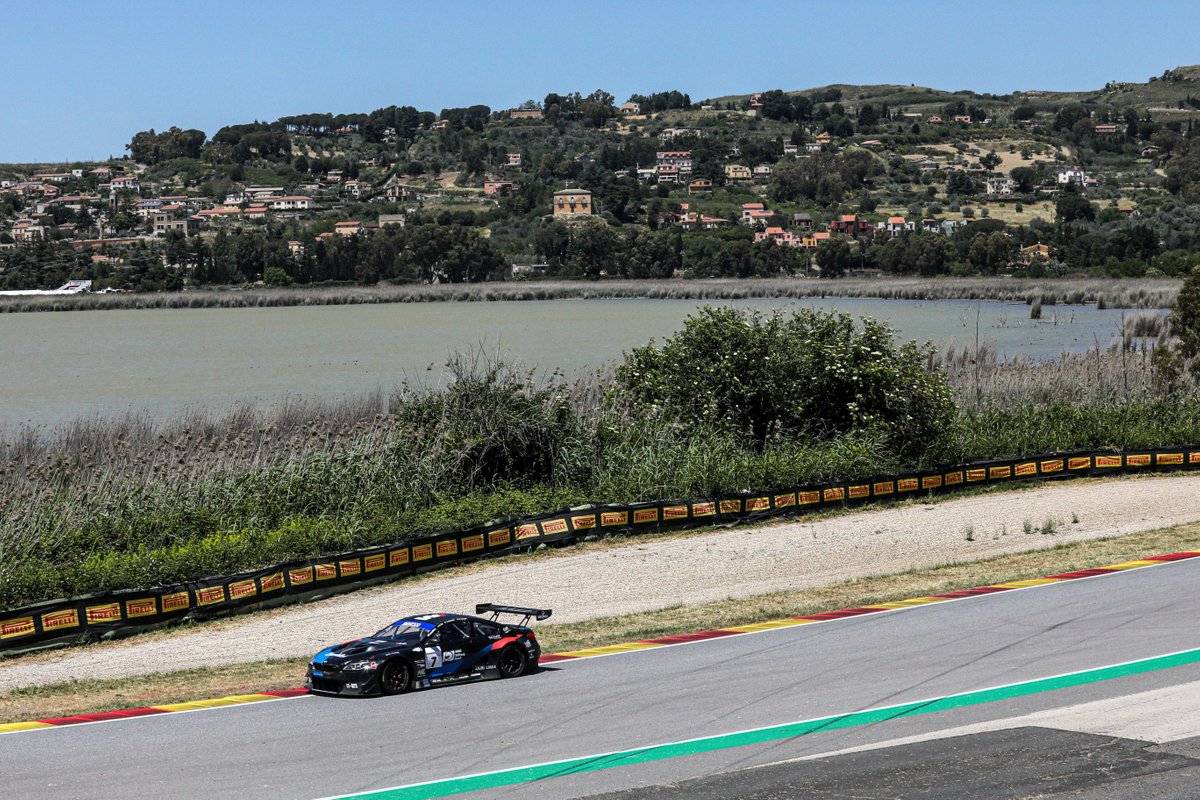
(652, 573)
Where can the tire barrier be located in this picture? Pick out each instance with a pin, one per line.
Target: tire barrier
(90, 617)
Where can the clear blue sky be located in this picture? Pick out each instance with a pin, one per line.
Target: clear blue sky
(82, 77)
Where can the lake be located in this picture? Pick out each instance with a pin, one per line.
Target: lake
(58, 366)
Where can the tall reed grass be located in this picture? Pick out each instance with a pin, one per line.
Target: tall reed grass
(1105, 292)
(135, 501)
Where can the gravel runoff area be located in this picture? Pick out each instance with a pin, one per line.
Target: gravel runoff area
(651, 573)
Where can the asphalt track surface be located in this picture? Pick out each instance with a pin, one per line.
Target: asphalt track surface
(317, 747)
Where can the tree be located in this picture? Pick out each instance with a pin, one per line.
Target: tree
(990, 161)
(811, 374)
(1183, 171)
(1072, 206)
(833, 257)
(992, 252)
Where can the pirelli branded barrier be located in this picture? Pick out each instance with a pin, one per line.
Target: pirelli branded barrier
(96, 616)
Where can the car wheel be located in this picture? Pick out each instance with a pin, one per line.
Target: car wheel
(512, 662)
(395, 677)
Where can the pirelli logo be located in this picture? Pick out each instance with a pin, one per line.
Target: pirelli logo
(907, 484)
(145, 607)
(240, 590)
(1108, 462)
(300, 576)
(974, 475)
(500, 537)
(758, 504)
(398, 558)
(997, 473)
(19, 626)
(60, 620)
(209, 595)
(377, 561)
(644, 515)
(860, 491)
(1194, 458)
(1168, 459)
(1137, 460)
(108, 612)
(610, 518)
(1079, 462)
(1052, 466)
(731, 506)
(176, 601)
(582, 523)
(834, 494)
(931, 482)
(785, 500)
(552, 526)
(447, 548)
(883, 487)
(675, 512)
(953, 478)
(351, 566)
(423, 552)
(271, 583)
(808, 498)
(471, 544)
(1027, 468)
(704, 509)
(527, 531)
(326, 572)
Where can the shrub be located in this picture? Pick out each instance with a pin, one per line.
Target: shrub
(811, 374)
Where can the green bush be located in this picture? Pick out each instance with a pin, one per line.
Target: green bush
(809, 374)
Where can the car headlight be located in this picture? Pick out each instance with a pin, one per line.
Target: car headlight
(361, 665)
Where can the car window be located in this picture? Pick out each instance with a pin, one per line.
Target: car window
(455, 630)
(487, 630)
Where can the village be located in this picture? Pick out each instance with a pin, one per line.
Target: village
(723, 169)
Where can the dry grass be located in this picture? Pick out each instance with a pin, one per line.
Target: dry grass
(89, 696)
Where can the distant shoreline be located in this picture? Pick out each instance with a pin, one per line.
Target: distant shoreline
(1106, 292)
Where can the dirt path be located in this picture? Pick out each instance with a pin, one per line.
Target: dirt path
(653, 573)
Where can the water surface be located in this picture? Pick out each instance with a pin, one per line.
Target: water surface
(58, 366)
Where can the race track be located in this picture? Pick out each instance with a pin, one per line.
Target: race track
(317, 747)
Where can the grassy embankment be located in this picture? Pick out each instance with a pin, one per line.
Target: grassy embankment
(133, 502)
(1112, 293)
(90, 696)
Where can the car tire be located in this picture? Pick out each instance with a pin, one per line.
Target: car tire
(512, 662)
(395, 677)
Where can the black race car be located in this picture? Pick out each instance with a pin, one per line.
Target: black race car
(430, 649)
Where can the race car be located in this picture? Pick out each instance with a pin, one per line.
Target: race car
(430, 649)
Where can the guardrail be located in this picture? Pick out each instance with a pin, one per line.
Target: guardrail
(89, 617)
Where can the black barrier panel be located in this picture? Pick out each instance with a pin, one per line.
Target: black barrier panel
(93, 616)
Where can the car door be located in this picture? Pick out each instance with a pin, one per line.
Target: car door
(451, 647)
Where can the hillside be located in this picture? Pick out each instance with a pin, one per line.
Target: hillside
(873, 179)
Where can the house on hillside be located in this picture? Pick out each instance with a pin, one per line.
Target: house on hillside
(778, 235)
(630, 109)
(1075, 176)
(850, 225)
(700, 186)
(499, 188)
(897, 225)
(802, 221)
(1000, 187)
(572, 203)
(738, 172)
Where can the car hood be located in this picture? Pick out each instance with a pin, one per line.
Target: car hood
(365, 648)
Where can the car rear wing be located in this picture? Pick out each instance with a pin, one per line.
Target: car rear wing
(495, 610)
